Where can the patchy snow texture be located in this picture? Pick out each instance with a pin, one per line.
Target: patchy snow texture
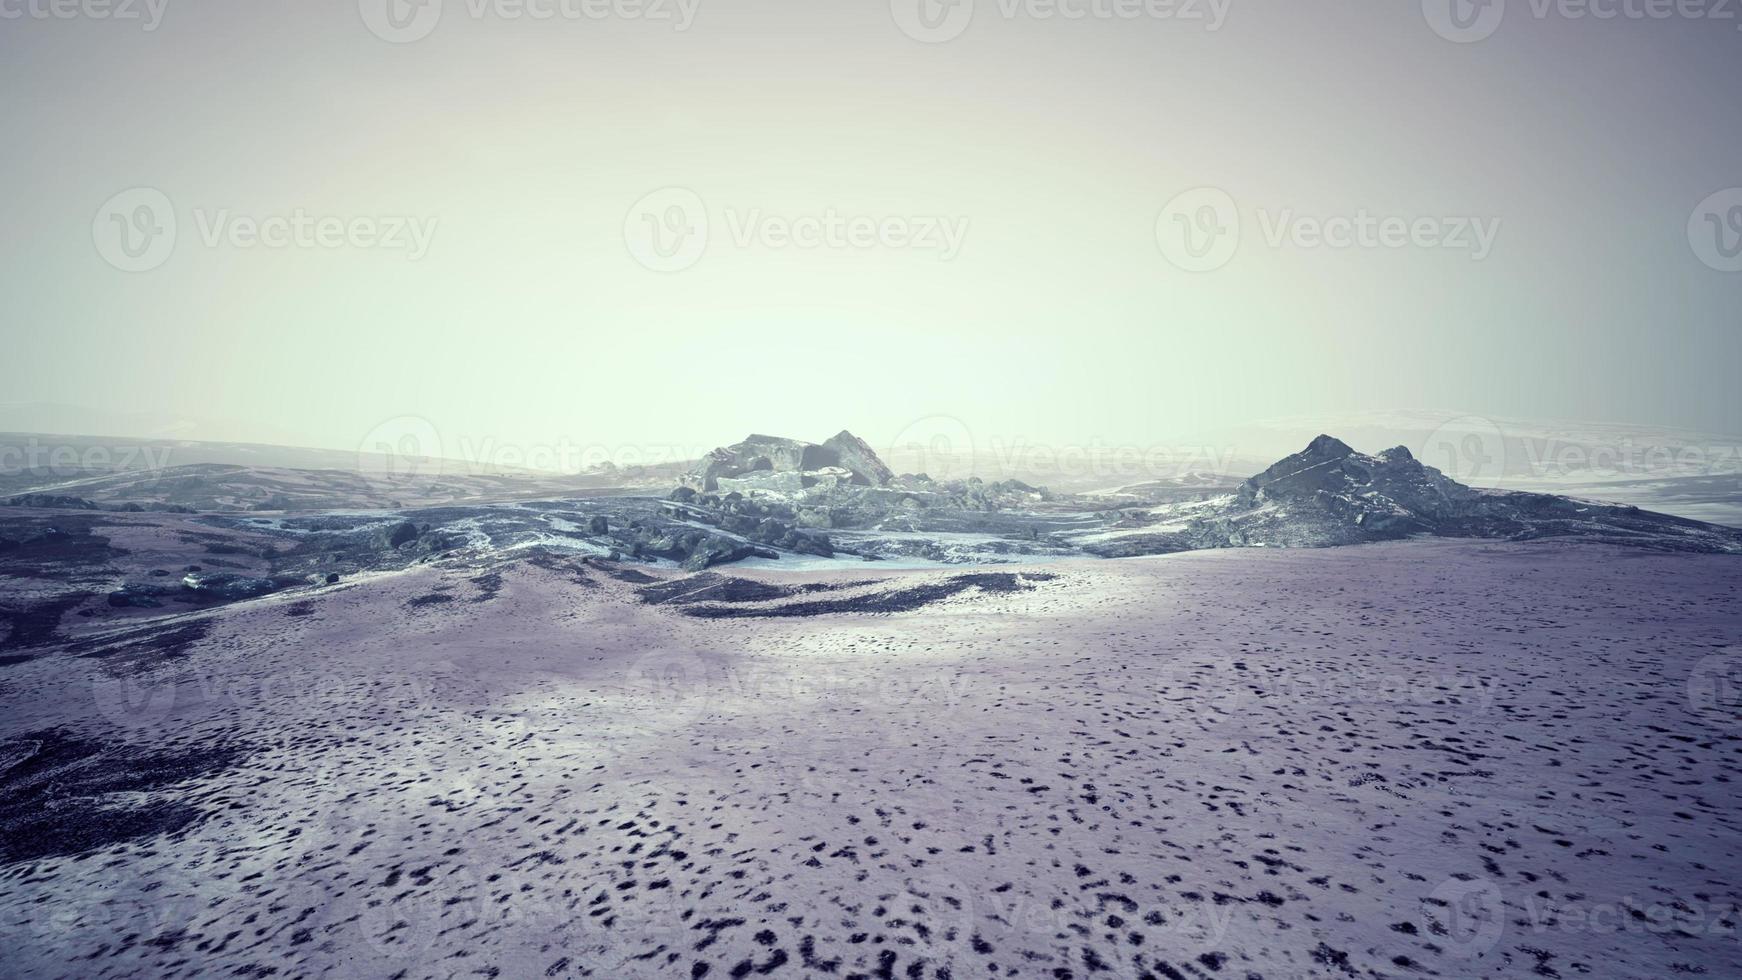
(1423, 758)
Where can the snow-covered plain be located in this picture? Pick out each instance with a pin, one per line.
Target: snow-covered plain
(1426, 758)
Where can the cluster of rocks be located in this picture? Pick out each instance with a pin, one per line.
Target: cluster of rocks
(976, 494)
(198, 586)
(693, 548)
(840, 483)
(765, 521)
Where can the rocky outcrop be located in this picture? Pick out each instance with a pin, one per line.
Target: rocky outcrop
(1329, 494)
(399, 534)
(51, 501)
(856, 456)
(788, 465)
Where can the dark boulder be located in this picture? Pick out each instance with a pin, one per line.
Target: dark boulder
(715, 550)
(135, 597)
(399, 534)
(228, 588)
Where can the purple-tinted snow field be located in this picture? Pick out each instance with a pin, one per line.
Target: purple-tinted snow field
(1422, 758)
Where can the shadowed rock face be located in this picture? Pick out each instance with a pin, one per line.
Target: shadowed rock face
(776, 455)
(1329, 494)
(856, 455)
(1390, 493)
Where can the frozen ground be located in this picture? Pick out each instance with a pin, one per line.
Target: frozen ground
(1428, 758)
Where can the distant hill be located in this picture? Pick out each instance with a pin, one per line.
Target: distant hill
(1329, 494)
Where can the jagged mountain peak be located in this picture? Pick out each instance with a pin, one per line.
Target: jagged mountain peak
(845, 454)
(1330, 466)
(1330, 494)
(1326, 445)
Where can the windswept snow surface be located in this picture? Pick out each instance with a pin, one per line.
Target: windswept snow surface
(1423, 758)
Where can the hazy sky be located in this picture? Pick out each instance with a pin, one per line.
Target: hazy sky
(988, 227)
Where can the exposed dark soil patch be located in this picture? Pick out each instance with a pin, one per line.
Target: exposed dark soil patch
(714, 587)
(432, 599)
(62, 548)
(896, 601)
(35, 624)
(144, 647)
(630, 575)
(58, 792)
(554, 562)
(489, 586)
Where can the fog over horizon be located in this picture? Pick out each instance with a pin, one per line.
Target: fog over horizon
(649, 489)
(679, 223)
